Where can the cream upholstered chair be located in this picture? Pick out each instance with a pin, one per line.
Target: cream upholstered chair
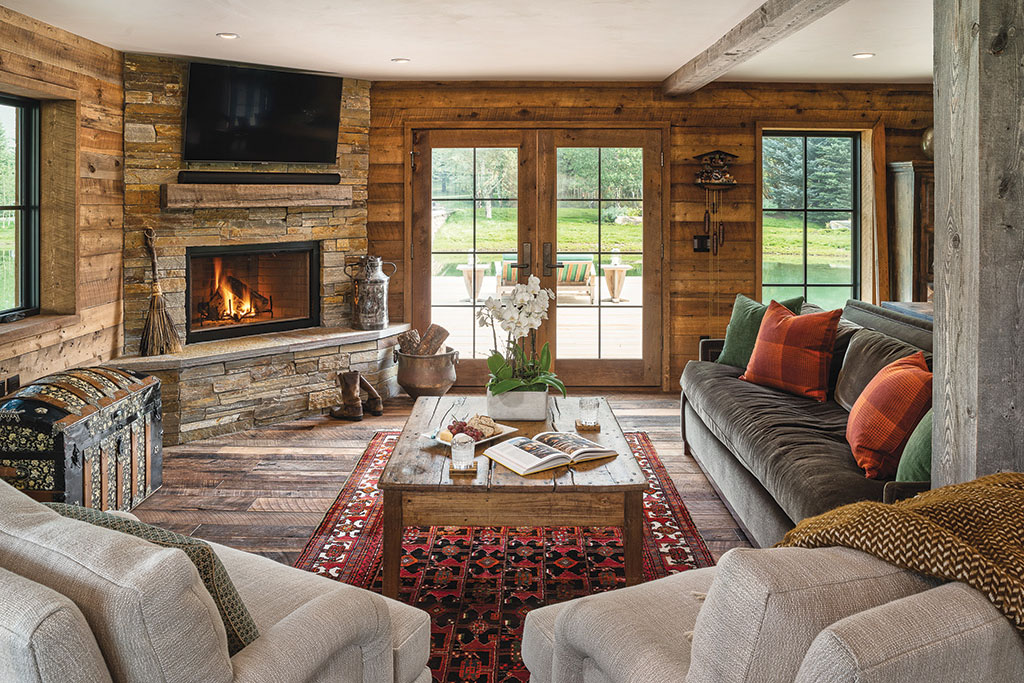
(777, 615)
(152, 618)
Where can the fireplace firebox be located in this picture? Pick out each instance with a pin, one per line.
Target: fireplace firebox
(251, 289)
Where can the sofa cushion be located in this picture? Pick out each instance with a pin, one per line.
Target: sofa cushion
(948, 633)
(44, 637)
(147, 607)
(916, 461)
(744, 323)
(886, 413)
(273, 591)
(795, 447)
(765, 608)
(239, 625)
(869, 352)
(793, 352)
(844, 333)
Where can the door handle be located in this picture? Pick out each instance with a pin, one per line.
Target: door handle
(527, 258)
(549, 267)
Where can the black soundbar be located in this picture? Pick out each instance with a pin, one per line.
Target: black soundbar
(256, 178)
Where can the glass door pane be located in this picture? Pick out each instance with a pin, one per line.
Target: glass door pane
(599, 232)
(474, 232)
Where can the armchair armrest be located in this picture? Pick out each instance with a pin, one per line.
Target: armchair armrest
(301, 645)
(900, 490)
(711, 349)
(948, 633)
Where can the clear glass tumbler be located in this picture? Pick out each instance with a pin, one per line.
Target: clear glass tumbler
(588, 410)
(463, 451)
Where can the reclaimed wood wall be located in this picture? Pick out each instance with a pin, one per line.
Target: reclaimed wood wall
(720, 116)
(38, 57)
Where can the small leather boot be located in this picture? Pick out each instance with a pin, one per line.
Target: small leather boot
(351, 407)
(374, 404)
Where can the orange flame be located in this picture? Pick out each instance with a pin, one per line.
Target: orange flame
(234, 307)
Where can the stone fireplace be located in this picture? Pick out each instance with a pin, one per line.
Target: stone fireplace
(255, 285)
(233, 291)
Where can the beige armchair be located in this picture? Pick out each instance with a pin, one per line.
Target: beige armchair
(777, 615)
(147, 615)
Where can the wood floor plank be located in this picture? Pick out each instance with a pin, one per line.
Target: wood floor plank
(267, 489)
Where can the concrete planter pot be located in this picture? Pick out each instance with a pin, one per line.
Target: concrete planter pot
(518, 405)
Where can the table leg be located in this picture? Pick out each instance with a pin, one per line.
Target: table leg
(392, 542)
(633, 536)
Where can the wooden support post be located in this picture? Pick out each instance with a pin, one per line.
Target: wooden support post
(979, 239)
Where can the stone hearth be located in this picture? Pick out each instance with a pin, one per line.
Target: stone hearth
(220, 387)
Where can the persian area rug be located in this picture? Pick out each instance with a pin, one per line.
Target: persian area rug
(479, 583)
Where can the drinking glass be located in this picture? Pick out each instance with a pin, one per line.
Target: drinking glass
(463, 451)
(588, 410)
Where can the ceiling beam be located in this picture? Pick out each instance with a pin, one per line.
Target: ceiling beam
(765, 26)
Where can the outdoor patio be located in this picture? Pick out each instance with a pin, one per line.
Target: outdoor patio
(580, 324)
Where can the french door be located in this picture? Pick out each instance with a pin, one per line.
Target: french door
(580, 209)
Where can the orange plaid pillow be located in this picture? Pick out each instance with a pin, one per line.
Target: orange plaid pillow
(793, 352)
(885, 414)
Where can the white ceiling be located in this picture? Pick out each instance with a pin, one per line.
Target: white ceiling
(899, 32)
(498, 39)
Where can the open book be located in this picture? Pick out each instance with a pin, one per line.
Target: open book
(523, 455)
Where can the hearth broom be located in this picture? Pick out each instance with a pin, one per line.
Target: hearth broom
(158, 334)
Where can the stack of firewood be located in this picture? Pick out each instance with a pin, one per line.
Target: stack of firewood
(432, 341)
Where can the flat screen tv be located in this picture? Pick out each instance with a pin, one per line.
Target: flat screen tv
(241, 114)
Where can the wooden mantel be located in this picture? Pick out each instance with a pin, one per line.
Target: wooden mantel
(223, 196)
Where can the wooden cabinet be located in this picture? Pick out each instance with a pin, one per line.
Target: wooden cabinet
(912, 229)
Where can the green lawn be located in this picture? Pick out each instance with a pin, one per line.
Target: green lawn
(577, 232)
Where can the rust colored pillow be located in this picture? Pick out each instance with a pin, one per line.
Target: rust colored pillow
(793, 352)
(884, 416)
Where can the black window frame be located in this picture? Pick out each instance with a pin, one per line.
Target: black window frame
(27, 141)
(855, 210)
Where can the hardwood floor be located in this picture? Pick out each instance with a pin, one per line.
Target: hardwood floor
(265, 490)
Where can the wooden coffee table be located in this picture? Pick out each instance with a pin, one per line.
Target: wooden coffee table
(419, 491)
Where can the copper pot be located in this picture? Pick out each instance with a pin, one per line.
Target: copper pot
(430, 375)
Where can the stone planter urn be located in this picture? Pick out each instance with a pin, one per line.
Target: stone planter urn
(518, 405)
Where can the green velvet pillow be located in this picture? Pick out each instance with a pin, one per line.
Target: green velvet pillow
(743, 327)
(916, 461)
(237, 621)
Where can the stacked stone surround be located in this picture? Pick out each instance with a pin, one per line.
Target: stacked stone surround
(154, 123)
(220, 387)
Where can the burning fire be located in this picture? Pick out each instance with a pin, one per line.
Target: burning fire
(235, 307)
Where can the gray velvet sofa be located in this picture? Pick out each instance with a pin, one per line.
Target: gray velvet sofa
(775, 458)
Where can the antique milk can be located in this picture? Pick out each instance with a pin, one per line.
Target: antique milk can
(370, 292)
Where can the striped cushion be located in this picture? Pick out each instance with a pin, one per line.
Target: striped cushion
(884, 416)
(508, 273)
(575, 272)
(793, 352)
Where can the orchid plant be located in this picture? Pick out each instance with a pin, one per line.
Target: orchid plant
(519, 314)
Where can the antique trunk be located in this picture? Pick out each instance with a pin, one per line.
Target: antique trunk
(89, 436)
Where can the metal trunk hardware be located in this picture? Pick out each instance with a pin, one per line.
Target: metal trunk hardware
(430, 375)
(370, 292)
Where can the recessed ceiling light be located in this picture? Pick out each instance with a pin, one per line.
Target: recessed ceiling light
(227, 36)
(400, 60)
(863, 55)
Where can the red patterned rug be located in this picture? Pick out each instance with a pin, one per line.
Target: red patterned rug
(479, 583)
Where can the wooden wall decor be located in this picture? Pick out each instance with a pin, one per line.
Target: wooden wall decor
(714, 176)
(720, 115)
(80, 84)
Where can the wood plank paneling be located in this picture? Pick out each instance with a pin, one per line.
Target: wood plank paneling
(85, 79)
(700, 289)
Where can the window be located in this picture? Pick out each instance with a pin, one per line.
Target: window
(19, 208)
(810, 216)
